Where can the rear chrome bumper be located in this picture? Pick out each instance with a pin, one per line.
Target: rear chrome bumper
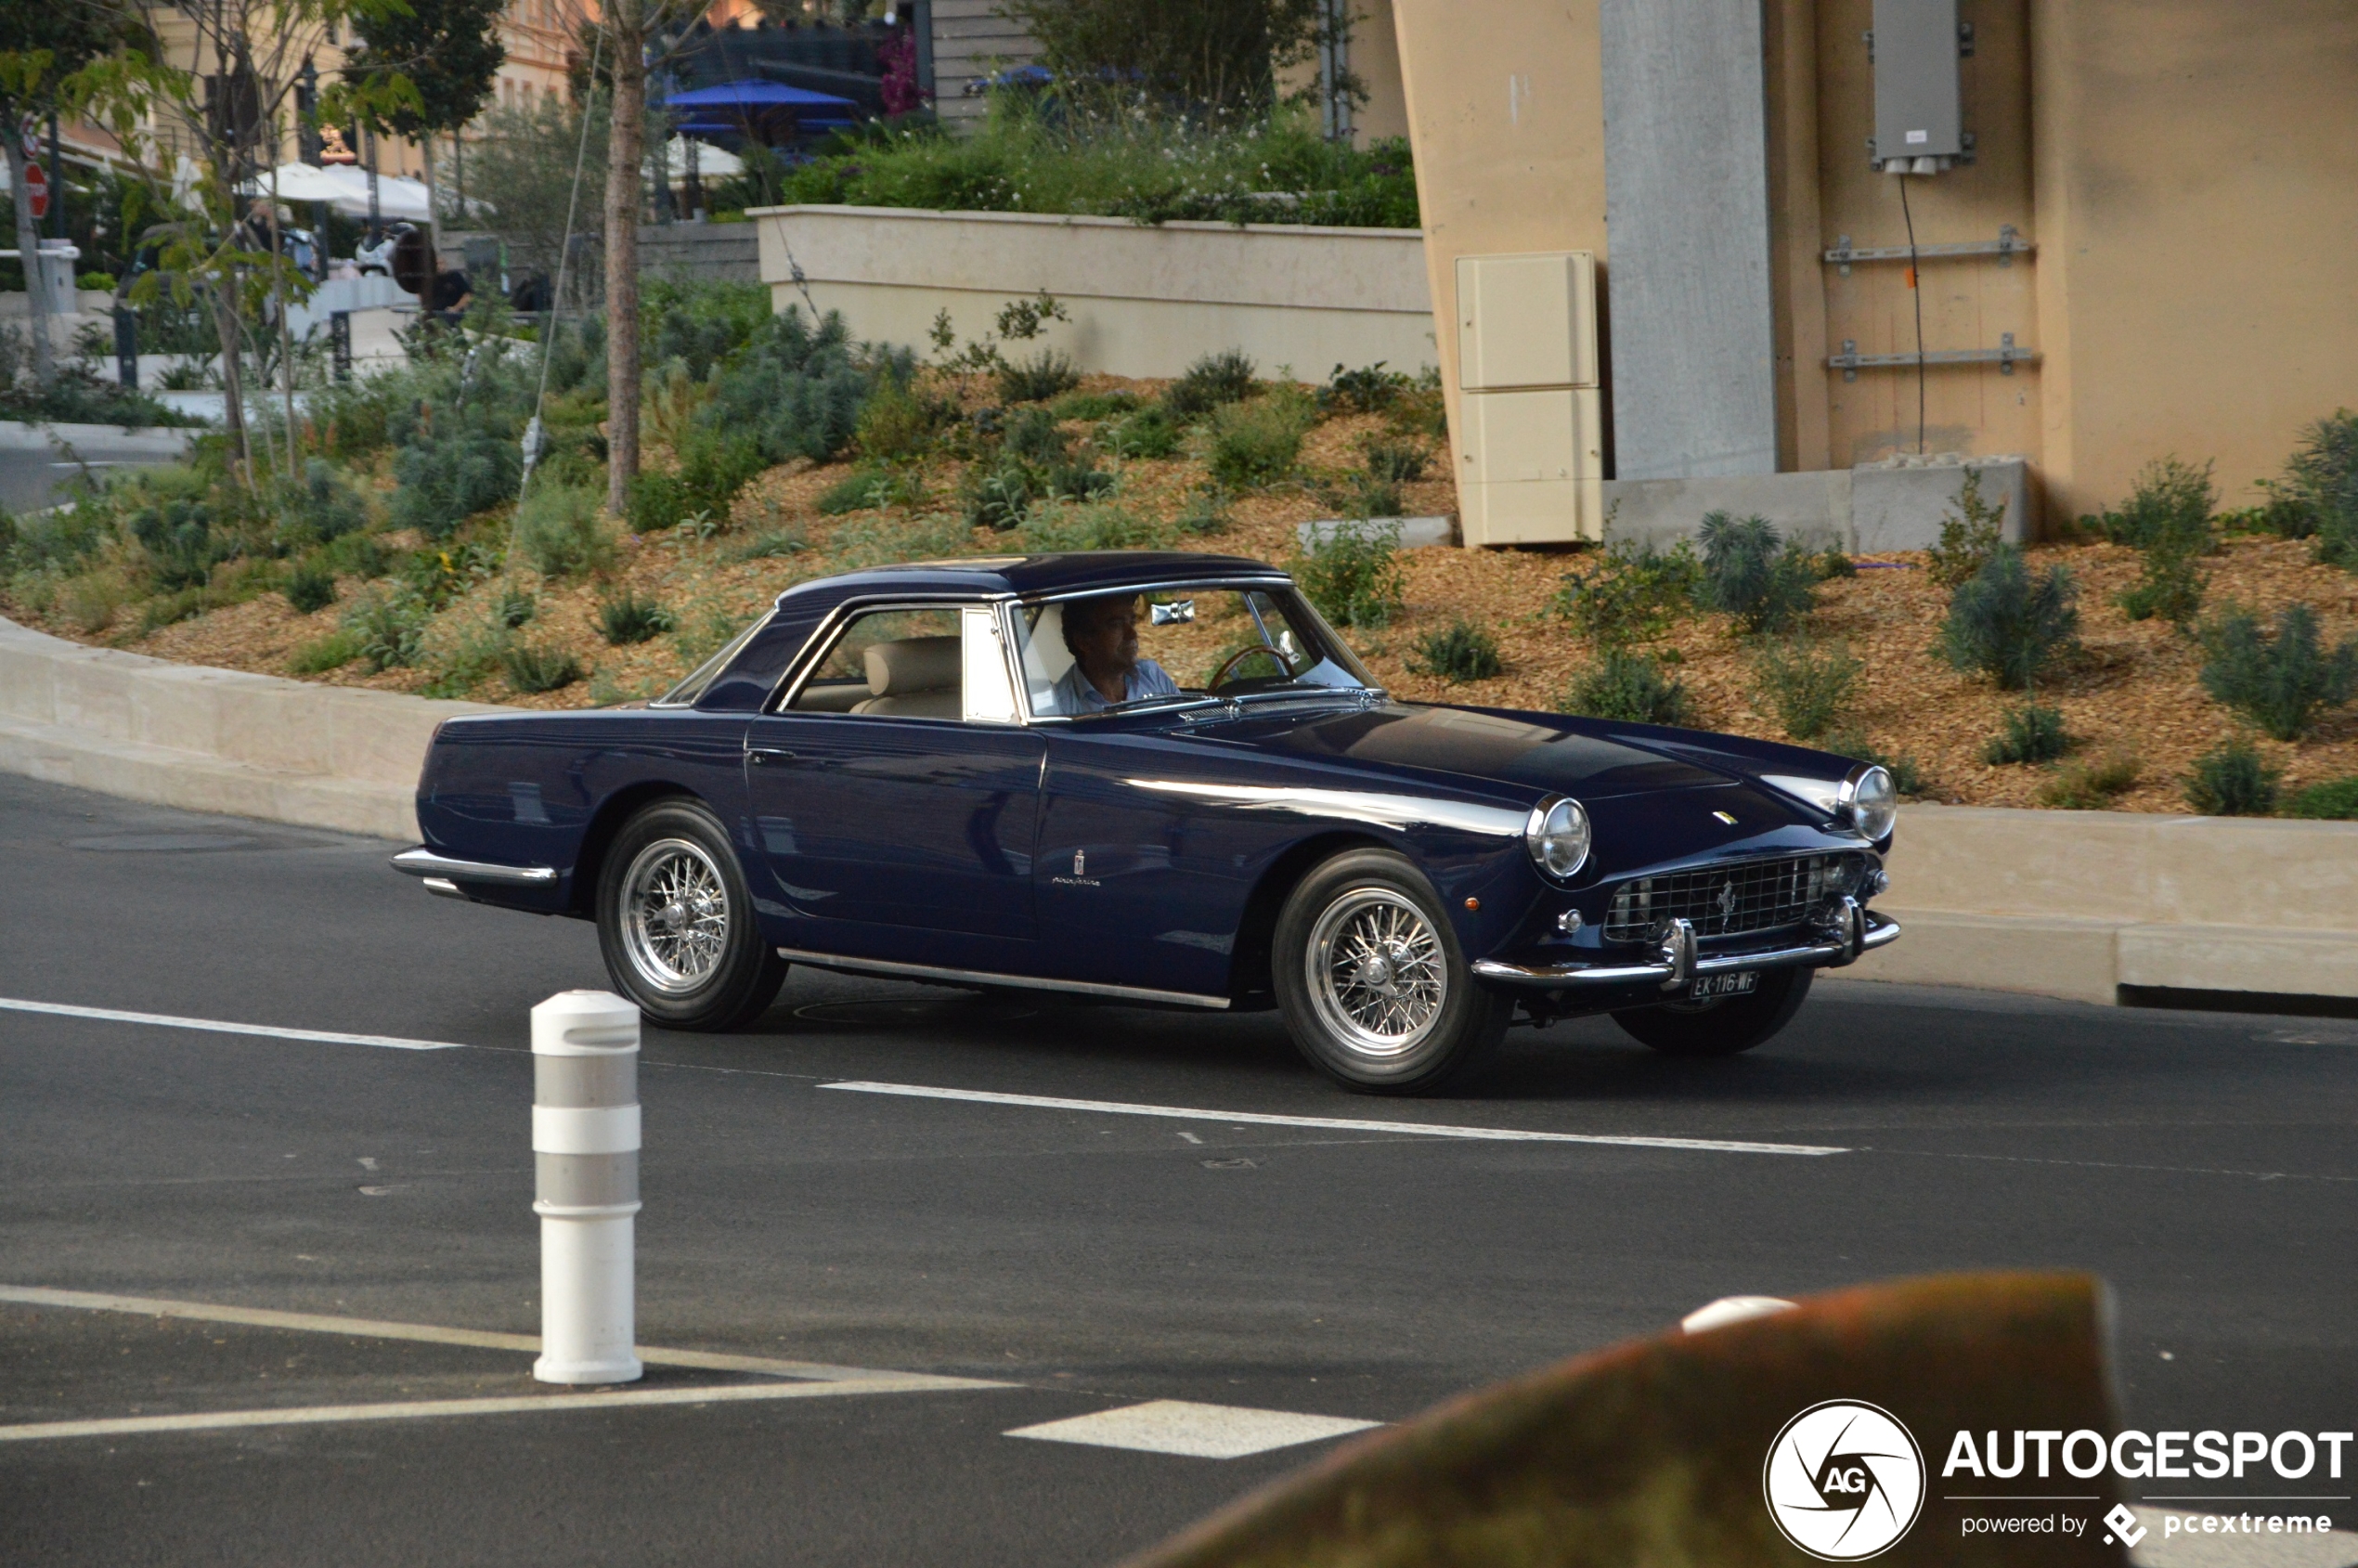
(435, 868)
(1844, 933)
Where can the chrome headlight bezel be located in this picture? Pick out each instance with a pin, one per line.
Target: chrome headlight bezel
(1871, 800)
(1558, 837)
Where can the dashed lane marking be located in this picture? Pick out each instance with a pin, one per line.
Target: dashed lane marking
(1201, 1432)
(1265, 1118)
(222, 1025)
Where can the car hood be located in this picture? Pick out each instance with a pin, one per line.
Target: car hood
(1537, 751)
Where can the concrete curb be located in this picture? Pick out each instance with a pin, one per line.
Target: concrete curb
(2073, 904)
(214, 740)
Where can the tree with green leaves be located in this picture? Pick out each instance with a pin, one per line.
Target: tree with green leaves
(449, 53)
(40, 46)
(1216, 57)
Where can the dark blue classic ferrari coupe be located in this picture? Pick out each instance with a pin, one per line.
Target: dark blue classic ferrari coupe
(1159, 779)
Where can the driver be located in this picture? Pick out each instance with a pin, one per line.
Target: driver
(1103, 636)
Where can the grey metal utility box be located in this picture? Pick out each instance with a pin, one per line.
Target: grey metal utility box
(1917, 113)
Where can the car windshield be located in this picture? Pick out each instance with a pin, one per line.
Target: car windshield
(1175, 644)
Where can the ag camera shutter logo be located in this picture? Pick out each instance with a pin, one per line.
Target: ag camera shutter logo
(1844, 1480)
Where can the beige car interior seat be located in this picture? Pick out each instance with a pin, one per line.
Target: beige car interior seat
(915, 678)
(1045, 657)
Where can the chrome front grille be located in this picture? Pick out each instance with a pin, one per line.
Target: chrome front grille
(1735, 900)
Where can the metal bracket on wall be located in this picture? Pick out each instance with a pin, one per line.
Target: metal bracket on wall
(2006, 247)
(2005, 357)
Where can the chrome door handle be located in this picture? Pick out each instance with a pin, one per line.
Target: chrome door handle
(760, 755)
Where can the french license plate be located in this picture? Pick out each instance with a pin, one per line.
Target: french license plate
(1740, 983)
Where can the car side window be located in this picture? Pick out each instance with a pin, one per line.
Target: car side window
(890, 662)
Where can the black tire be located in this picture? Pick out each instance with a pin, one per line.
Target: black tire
(696, 959)
(1724, 1027)
(1439, 1025)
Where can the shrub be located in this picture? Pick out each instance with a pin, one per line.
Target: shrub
(1211, 382)
(2280, 681)
(532, 667)
(1076, 481)
(1366, 495)
(389, 625)
(465, 661)
(1969, 535)
(2170, 589)
(360, 555)
(514, 607)
(794, 390)
(1002, 499)
(311, 586)
(1037, 379)
(626, 618)
(182, 546)
(1807, 683)
(1061, 525)
(1206, 512)
(560, 529)
(324, 654)
(2169, 507)
(1633, 594)
(2092, 785)
(2234, 781)
(771, 544)
(447, 480)
(895, 422)
(2320, 488)
(1093, 406)
(2008, 627)
(2333, 801)
(319, 507)
(1371, 389)
(1767, 585)
(1394, 459)
(1034, 435)
(870, 489)
(2030, 733)
(1460, 651)
(1833, 561)
(1147, 434)
(1352, 575)
(1257, 442)
(1630, 688)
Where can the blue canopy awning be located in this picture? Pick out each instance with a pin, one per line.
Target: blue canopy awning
(756, 97)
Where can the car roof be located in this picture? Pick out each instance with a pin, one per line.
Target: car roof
(1027, 576)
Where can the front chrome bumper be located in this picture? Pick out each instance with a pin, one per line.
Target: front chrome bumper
(1846, 931)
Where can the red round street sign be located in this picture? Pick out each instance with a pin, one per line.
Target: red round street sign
(36, 179)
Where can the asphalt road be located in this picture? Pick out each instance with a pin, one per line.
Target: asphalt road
(1086, 1260)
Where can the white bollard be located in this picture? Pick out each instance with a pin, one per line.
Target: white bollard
(585, 1148)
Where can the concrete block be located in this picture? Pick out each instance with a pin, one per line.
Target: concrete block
(1416, 533)
(2049, 955)
(1990, 860)
(381, 737)
(2292, 962)
(1899, 504)
(177, 707)
(94, 692)
(28, 674)
(268, 722)
(2254, 871)
(1811, 507)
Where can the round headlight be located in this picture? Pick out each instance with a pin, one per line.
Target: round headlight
(1557, 835)
(1873, 803)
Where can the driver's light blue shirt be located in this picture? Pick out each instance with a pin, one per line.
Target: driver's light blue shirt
(1076, 694)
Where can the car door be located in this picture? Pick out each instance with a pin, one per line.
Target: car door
(895, 790)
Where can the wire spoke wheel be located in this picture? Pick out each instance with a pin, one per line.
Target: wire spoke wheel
(675, 915)
(1376, 972)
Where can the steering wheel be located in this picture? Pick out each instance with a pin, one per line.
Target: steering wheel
(1220, 675)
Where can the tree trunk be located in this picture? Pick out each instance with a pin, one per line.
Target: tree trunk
(434, 230)
(233, 408)
(44, 367)
(625, 21)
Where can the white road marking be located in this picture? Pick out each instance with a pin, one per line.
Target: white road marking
(377, 1328)
(545, 1404)
(220, 1026)
(1264, 1118)
(1200, 1432)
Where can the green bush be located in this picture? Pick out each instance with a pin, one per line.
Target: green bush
(2008, 627)
(319, 508)
(2169, 508)
(1460, 651)
(311, 586)
(793, 391)
(2234, 781)
(389, 625)
(1633, 595)
(1076, 481)
(1365, 495)
(1394, 459)
(1352, 575)
(1093, 406)
(895, 423)
(2336, 800)
(870, 489)
(2170, 589)
(1212, 381)
(2092, 785)
(2278, 682)
(1257, 442)
(1629, 687)
(2320, 488)
(1002, 498)
(512, 607)
(1147, 434)
(562, 530)
(1034, 435)
(770, 545)
(324, 654)
(1371, 389)
(1037, 379)
(1206, 512)
(2030, 733)
(1064, 525)
(1969, 535)
(1808, 683)
(182, 545)
(626, 618)
(532, 667)
(1748, 573)
(359, 555)
(446, 480)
